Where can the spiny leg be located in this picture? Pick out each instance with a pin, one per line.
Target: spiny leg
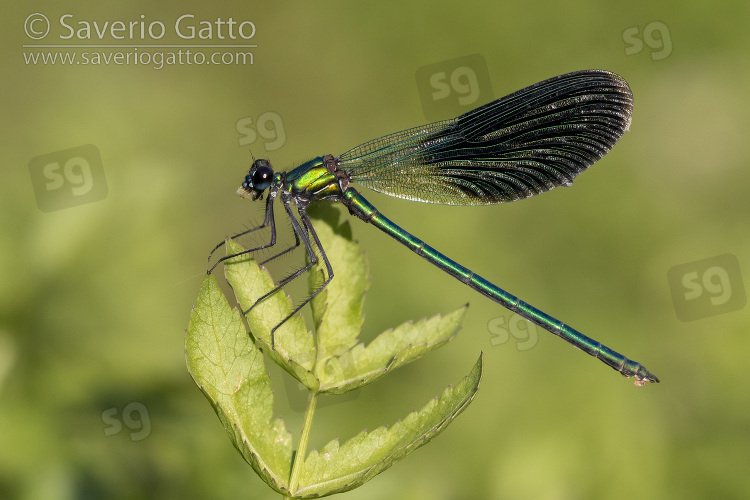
(296, 244)
(313, 259)
(268, 221)
(309, 229)
(302, 232)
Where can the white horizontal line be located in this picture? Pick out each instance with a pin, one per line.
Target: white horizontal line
(74, 46)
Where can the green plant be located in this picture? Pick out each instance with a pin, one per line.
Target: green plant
(227, 364)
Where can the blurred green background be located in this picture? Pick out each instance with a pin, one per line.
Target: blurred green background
(95, 399)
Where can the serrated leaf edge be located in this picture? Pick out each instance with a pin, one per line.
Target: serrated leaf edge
(396, 453)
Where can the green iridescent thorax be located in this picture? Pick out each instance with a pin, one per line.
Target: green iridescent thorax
(313, 179)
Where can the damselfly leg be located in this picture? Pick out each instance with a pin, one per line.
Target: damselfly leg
(302, 233)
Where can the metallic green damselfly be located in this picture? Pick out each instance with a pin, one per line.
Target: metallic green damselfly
(518, 146)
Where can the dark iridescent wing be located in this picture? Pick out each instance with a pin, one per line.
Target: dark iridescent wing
(520, 145)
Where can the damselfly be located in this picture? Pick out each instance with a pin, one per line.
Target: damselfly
(518, 146)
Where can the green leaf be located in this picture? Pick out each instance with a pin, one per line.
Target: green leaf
(343, 364)
(336, 469)
(391, 349)
(338, 309)
(230, 371)
(293, 346)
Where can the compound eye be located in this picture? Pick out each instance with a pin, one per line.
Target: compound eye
(262, 177)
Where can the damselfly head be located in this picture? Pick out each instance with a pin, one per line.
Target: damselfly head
(257, 180)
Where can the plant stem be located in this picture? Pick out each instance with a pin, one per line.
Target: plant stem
(299, 456)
